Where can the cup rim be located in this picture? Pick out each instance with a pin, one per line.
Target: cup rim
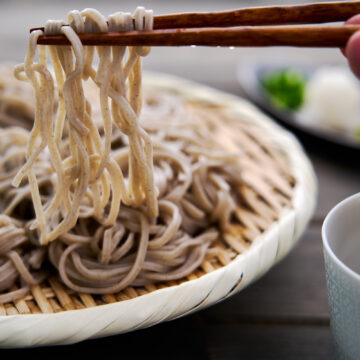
(325, 241)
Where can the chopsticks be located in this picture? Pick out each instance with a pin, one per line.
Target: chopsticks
(309, 36)
(271, 15)
(183, 29)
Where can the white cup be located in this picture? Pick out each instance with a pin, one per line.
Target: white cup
(341, 240)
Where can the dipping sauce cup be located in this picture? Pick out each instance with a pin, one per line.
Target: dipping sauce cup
(341, 240)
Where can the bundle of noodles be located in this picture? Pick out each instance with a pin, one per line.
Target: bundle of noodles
(16, 100)
(120, 201)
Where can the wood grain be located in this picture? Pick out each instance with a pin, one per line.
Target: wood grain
(337, 179)
(300, 36)
(193, 337)
(270, 15)
(315, 13)
(272, 342)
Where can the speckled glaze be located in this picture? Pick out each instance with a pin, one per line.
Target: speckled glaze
(341, 227)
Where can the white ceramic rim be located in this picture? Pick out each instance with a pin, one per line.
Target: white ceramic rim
(328, 219)
(172, 302)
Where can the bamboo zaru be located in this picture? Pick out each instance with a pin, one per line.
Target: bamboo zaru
(110, 201)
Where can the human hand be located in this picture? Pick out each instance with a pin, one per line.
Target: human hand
(352, 50)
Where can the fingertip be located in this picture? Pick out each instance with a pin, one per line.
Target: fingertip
(352, 52)
(355, 20)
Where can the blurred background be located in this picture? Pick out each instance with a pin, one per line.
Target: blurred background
(213, 66)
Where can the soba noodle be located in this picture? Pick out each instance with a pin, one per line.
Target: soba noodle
(114, 202)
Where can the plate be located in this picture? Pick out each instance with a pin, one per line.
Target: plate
(249, 75)
(169, 303)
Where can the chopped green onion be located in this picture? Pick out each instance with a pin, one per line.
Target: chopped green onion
(285, 88)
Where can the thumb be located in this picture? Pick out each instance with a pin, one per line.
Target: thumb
(352, 50)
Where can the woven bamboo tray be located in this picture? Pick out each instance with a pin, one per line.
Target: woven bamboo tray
(53, 315)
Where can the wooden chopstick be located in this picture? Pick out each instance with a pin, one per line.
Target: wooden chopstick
(183, 29)
(301, 36)
(270, 15)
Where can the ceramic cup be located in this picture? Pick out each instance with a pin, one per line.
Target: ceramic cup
(341, 240)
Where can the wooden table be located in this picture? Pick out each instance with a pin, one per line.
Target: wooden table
(284, 315)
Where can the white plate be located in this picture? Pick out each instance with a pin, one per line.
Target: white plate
(172, 302)
(325, 137)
